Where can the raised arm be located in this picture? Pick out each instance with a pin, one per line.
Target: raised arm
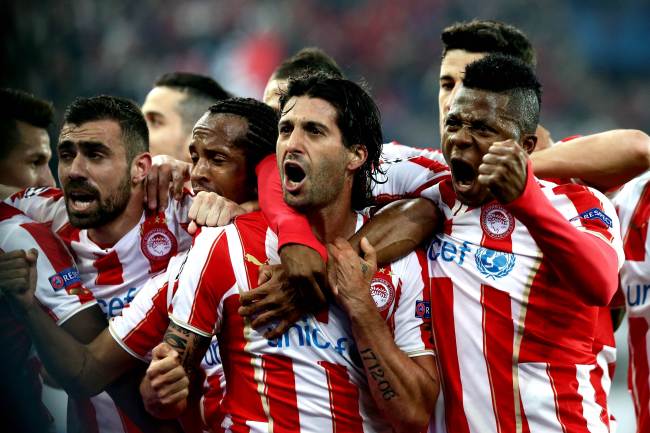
(604, 160)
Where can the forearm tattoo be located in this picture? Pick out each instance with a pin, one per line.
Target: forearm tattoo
(377, 373)
(190, 346)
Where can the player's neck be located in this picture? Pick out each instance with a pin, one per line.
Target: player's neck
(334, 220)
(109, 234)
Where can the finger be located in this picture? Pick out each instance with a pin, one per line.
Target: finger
(176, 398)
(212, 219)
(369, 252)
(227, 214)
(152, 186)
(266, 319)
(203, 211)
(164, 181)
(171, 381)
(255, 294)
(487, 179)
(264, 275)
(178, 179)
(278, 330)
(15, 263)
(32, 256)
(192, 227)
(13, 255)
(196, 205)
(162, 350)
(268, 303)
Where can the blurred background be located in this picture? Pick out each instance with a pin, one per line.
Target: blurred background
(593, 57)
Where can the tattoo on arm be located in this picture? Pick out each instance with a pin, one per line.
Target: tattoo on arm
(377, 373)
(190, 346)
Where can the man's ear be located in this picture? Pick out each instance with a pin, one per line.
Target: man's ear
(358, 155)
(140, 167)
(529, 142)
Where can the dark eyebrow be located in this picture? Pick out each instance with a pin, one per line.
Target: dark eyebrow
(318, 125)
(86, 146)
(446, 77)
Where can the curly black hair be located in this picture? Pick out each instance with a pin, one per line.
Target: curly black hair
(358, 118)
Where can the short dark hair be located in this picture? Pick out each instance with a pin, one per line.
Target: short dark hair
(511, 76)
(201, 92)
(124, 111)
(17, 105)
(488, 36)
(310, 60)
(358, 118)
(262, 134)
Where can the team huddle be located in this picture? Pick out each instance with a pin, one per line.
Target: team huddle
(213, 263)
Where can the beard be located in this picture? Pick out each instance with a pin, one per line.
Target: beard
(104, 211)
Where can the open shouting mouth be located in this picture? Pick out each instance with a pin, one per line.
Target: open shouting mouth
(294, 175)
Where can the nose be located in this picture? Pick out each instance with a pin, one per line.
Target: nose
(199, 171)
(77, 168)
(295, 143)
(460, 139)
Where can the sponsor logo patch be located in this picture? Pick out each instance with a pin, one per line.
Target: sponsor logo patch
(494, 264)
(497, 222)
(65, 279)
(597, 214)
(423, 309)
(158, 243)
(382, 292)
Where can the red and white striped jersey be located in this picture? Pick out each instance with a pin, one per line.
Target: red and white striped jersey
(143, 323)
(515, 347)
(310, 379)
(633, 205)
(58, 287)
(395, 151)
(114, 274)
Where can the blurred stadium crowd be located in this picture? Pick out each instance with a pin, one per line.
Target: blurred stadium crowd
(593, 58)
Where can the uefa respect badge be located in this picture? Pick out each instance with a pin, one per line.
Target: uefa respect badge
(64, 279)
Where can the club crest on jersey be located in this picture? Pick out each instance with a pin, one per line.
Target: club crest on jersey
(64, 279)
(382, 292)
(158, 243)
(494, 264)
(497, 222)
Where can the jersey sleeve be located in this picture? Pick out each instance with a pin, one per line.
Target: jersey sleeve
(412, 329)
(291, 226)
(408, 178)
(44, 205)
(144, 321)
(177, 214)
(203, 283)
(58, 286)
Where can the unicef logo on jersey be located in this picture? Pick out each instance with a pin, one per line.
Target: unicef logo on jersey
(494, 264)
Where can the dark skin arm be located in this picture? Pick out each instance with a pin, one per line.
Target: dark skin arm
(299, 286)
(83, 357)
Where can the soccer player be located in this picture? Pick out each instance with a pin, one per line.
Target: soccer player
(633, 205)
(228, 142)
(103, 161)
(345, 367)
(519, 269)
(172, 107)
(24, 141)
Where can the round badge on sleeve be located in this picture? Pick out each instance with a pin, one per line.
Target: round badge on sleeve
(497, 222)
(158, 243)
(382, 292)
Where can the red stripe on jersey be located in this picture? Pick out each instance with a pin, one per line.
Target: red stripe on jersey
(431, 164)
(344, 399)
(69, 234)
(239, 370)
(525, 428)
(152, 326)
(584, 200)
(58, 257)
(109, 269)
(639, 371)
(7, 211)
(498, 339)
(54, 193)
(442, 313)
(596, 380)
(635, 239)
(447, 193)
(281, 393)
(212, 402)
(568, 402)
(86, 414)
